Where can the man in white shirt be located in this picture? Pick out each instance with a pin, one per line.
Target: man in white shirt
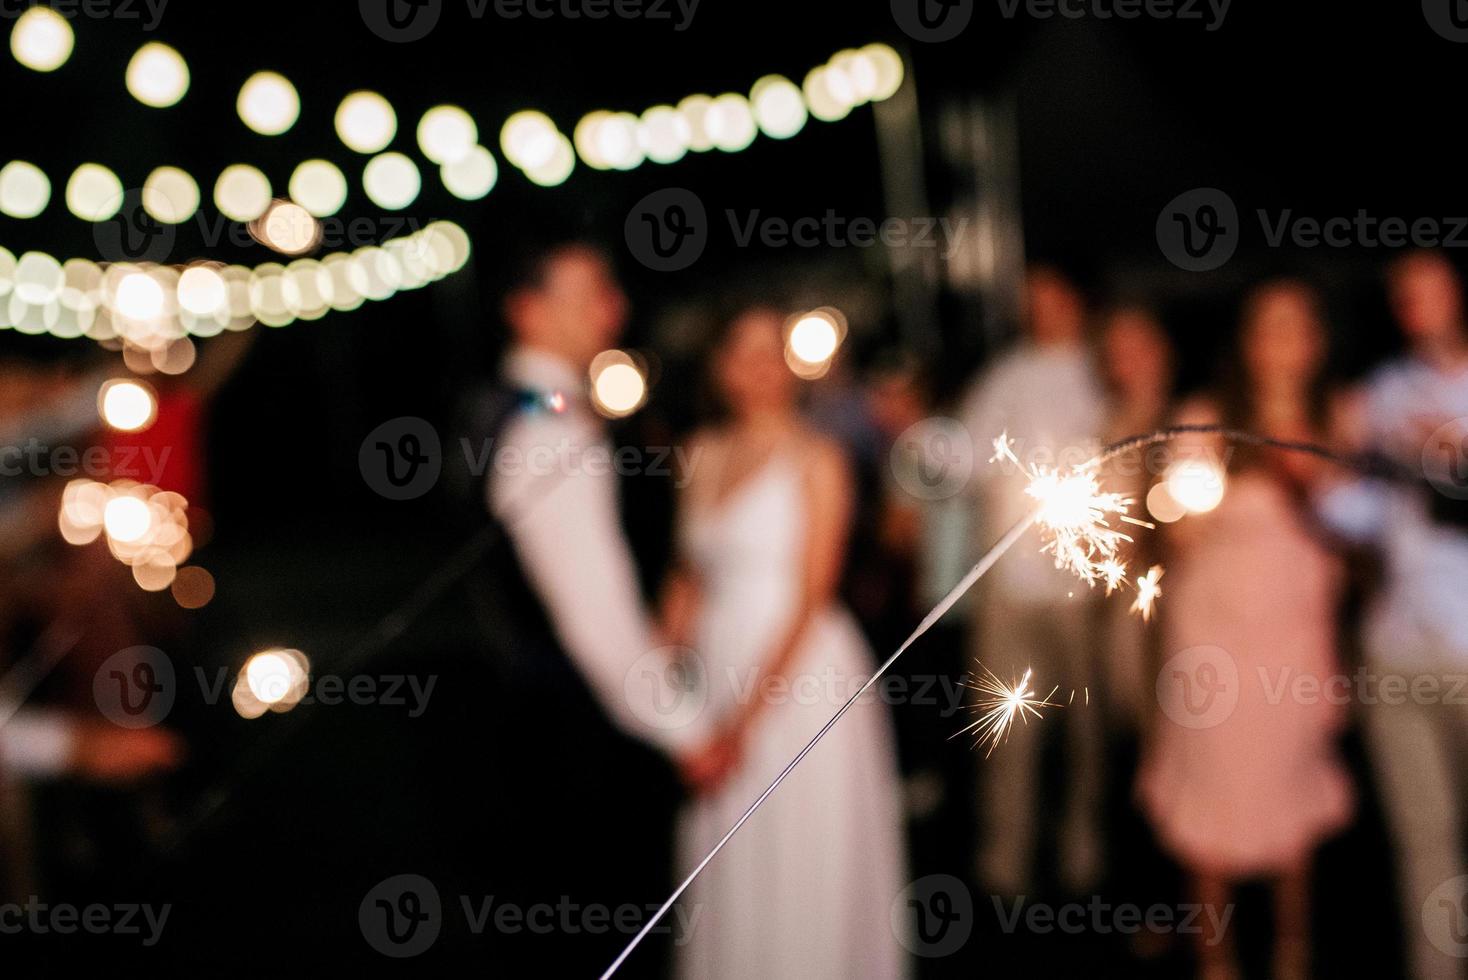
(1415, 410)
(593, 695)
(1044, 394)
(555, 493)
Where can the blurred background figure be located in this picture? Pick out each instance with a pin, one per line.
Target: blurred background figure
(591, 680)
(1044, 393)
(1137, 370)
(1239, 780)
(806, 889)
(1415, 410)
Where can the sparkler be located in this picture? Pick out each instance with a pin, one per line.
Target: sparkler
(1078, 523)
(1001, 704)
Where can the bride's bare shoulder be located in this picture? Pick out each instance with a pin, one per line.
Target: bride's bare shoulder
(825, 458)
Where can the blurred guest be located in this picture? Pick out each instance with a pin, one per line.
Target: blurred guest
(593, 690)
(806, 889)
(1239, 780)
(1136, 361)
(1045, 396)
(1416, 411)
(881, 577)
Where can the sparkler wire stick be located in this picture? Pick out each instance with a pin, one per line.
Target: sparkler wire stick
(977, 572)
(1092, 529)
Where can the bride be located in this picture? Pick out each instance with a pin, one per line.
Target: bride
(806, 888)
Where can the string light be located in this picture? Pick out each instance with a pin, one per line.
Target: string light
(618, 383)
(154, 309)
(127, 405)
(41, 39)
(319, 186)
(25, 190)
(170, 195)
(366, 122)
(447, 134)
(472, 176)
(268, 103)
(242, 192)
(93, 193)
(157, 75)
(391, 181)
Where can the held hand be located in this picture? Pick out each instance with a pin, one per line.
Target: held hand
(707, 767)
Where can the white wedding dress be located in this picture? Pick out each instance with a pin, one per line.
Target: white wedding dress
(805, 889)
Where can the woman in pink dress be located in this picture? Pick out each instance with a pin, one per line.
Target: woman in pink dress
(1241, 778)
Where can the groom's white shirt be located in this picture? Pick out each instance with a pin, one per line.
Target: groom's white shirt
(554, 492)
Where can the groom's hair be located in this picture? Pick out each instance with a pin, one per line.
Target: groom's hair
(532, 262)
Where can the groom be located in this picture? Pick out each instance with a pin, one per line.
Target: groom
(595, 696)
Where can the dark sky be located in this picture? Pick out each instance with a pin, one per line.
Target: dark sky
(1319, 110)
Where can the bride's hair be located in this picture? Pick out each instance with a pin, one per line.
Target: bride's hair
(712, 407)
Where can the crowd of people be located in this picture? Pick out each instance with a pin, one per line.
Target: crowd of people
(801, 554)
(1240, 776)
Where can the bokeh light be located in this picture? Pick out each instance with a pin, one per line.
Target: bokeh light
(1196, 484)
(730, 123)
(138, 296)
(447, 134)
(778, 106)
(25, 190)
(170, 195)
(157, 75)
(268, 103)
(812, 341)
(472, 176)
(93, 193)
(288, 228)
(193, 587)
(554, 171)
(366, 122)
(242, 192)
(41, 39)
(126, 518)
(127, 405)
(202, 291)
(618, 383)
(663, 134)
(319, 186)
(392, 181)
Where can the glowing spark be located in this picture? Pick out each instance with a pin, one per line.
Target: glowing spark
(1075, 517)
(1000, 704)
(1147, 592)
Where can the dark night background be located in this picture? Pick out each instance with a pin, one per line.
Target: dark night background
(1321, 109)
